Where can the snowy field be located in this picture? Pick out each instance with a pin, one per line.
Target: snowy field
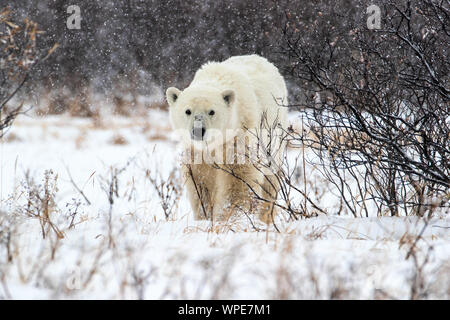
(81, 219)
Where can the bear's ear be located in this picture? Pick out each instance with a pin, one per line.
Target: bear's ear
(172, 95)
(228, 96)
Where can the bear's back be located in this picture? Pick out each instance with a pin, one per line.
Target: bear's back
(221, 75)
(248, 72)
(263, 75)
(259, 86)
(252, 65)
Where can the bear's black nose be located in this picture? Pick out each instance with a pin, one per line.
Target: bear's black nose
(198, 132)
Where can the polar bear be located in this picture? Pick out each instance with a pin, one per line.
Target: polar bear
(240, 101)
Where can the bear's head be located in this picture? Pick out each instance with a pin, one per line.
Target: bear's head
(202, 115)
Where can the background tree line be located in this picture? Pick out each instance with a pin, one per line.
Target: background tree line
(131, 46)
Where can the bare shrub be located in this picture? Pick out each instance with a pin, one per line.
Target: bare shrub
(119, 140)
(376, 104)
(40, 203)
(169, 190)
(18, 56)
(285, 192)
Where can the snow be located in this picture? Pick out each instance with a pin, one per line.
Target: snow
(136, 253)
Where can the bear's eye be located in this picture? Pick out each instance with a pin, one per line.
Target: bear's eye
(188, 112)
(212, 112)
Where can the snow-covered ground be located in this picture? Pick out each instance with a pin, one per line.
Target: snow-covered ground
(90, 181)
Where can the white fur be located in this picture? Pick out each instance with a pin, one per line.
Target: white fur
(254, 89)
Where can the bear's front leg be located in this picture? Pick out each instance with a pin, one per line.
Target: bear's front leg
(200, 190)
(224, 202)
(236, 192)
(198, 208)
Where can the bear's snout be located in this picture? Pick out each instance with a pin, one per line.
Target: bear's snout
(198, 130)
